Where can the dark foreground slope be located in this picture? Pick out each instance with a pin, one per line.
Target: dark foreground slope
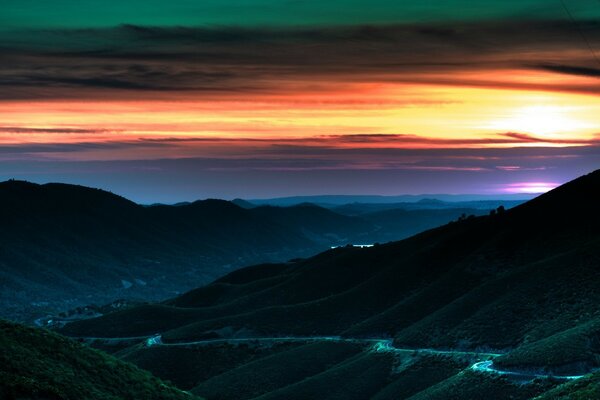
(522, 282)
(323, 370)
(37, 364)
(587, 388)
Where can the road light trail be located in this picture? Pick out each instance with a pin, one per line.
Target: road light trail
(376, 344)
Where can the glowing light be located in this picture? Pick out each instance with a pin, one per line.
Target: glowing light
(530, 187)
(544, 120)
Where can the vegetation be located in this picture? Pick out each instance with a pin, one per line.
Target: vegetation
(359, 377)
(276, 371)
(475, 386)
(188, 367)
(37, 364)
(575, 350)
(419, 375)
(587, 388)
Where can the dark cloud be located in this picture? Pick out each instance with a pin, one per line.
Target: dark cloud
(133, 58)
(525, 138)
(32, 148)
(21, 129)
(56, 149)
(374, 146)
(360, 150)
(572, 70)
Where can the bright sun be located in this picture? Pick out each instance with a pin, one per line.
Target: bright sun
(543, 120)
(530, 187)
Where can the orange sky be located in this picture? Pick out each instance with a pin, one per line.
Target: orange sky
(428, 111)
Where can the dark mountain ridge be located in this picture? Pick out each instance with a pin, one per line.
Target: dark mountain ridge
(413, 289)
(340, 200)
(63, 246)
(522, 283)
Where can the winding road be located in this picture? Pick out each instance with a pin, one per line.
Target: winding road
(377, 344)
(488, 366)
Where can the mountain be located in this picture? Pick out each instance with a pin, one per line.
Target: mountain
(64, 246)
(331, 201)
(38, 364)
(320, 224)
(522, 284)
(396, 224)
(480, 206)
(243, 203)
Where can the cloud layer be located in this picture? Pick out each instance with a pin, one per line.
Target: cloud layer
(218, 61)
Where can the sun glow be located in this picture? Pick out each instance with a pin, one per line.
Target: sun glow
(530, 187)
(547, 121)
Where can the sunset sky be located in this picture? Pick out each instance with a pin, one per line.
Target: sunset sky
(165, 101)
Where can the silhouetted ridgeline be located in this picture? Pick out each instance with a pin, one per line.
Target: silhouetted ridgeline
(63, 246)
(67, 245)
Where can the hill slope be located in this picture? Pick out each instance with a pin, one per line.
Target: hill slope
(522, 281)
(62, 246)
(522, 264)
(37, 364)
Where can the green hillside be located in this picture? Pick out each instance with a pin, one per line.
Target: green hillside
(587, 388)
(187, 367)
(38, 364)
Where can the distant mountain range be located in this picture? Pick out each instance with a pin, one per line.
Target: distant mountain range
(338, 200)
(64, 246)
(522, 283)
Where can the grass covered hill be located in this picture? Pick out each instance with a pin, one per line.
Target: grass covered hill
(38, 364)
(522, 282)
(586, 388)
(323, 370)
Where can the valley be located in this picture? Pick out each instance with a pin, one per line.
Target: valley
(67, 247)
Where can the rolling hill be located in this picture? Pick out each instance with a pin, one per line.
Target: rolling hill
(63, 246)
(522, 282)
(66, 246)
(38, 364)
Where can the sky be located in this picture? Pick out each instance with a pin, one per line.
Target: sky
(179, 100)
